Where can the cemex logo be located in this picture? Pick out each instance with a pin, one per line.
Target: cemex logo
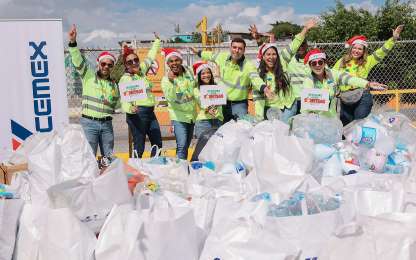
(41, 87)
(20, 133)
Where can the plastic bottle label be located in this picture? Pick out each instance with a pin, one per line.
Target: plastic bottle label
(368, 136)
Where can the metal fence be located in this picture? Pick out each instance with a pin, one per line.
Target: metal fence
(397, 70)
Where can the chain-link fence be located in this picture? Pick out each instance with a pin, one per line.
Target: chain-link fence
(397, 70)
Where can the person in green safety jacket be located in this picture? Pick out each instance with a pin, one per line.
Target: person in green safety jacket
(210, 117)
(178, 88)
(273, 70)
(237, 74)
(357, 103)
(140, 115)
(327, 80)
(100, 97)
(297, 70)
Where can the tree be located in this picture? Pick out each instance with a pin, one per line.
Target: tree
(196, 37)
(340, 23)
(285, 29)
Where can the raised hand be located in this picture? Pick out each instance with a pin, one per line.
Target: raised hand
(156, 35)
(377, 86)
(72, 34)
(311, 23)
(397, 31)
(253, 31)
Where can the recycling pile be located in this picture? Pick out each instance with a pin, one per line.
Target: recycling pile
(260, 190)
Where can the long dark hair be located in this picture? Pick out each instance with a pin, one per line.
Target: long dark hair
(211, 81)
(282, 83)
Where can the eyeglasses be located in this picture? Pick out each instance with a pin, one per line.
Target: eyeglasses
(317, 63)
(103, 64)
(133, 61)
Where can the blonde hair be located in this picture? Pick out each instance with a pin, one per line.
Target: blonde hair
(348, 57)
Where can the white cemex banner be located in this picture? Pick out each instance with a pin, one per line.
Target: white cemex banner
(132, 90)
(315, 99)
(34, 92)
(212, 95)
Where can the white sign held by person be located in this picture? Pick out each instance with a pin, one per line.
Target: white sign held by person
(33, 84)
(315, 99)
(132, 90)
(212, 95)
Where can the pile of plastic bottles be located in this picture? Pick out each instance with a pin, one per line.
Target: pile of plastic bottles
(315, 203)
(5, 193)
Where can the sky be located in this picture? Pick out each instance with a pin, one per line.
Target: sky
(102, 23)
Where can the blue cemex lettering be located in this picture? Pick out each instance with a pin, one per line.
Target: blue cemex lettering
(41, 87)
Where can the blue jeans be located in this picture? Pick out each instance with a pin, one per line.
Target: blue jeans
(183, 134)
(358, 110)
(203, 125)
(143, 123)
(234, 110)
(287, 113)
(99, 133)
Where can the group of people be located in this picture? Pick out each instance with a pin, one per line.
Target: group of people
(276, 83)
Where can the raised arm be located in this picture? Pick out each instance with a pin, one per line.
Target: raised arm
(77, 59)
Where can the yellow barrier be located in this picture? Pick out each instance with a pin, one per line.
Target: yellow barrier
(396, 101)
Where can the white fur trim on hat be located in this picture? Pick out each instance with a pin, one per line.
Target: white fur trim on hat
(202, 67)
(267, 46)
(317, 56)
(174, 53)
(106, 56)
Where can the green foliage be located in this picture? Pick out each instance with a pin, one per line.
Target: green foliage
(285, 29)
(340, 23)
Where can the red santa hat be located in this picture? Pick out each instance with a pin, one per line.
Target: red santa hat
(264, 48)
(170, 52)
(200, 66)
(314, 54)
(106, 55)
(127, 51)
(358, 39)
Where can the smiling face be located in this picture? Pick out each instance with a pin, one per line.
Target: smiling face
(237, 50)
(270, 57)
(357, 51)
(132, 63)
(317, 66)
(105, 67)
(206, 76)
(175, 64)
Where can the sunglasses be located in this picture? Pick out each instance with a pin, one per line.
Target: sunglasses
(317, 63)
(133, 61)
(103, 64)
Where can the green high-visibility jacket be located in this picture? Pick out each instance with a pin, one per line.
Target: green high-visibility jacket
(362, 71)
(333, 80)
(180, 97)
(281, 100)
(297, 71)
(203, 114)
(144, 67)
(100, 97)
(236, 77)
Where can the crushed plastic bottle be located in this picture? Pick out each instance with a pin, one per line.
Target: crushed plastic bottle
(262, 196)
(273, 114)
(321, 129)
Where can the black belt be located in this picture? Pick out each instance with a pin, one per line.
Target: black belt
(102, 119)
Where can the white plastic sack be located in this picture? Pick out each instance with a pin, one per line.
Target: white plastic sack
(91, 201)
(242, 239)
(169, 233)
(387, 237)
(78, 159)
(118, 237)
(224, 145)
(10, 210)
(46, 234)
(246, 154)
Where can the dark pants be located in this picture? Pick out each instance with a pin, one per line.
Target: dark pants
(183, 135)
(143, 123)
(358, 110)
(234, 110)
